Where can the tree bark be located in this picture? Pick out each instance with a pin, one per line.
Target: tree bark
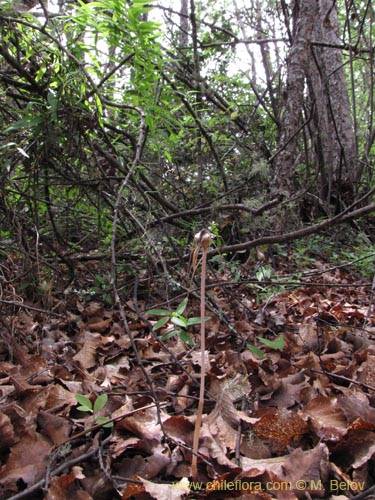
(316, 82)
(184, 24)
(340, 143)
(304, 14)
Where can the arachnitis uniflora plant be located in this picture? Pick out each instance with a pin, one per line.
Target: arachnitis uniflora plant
(203, 240)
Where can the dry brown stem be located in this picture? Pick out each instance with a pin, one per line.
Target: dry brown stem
(203, 240)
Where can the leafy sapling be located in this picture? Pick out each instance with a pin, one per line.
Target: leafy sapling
(178, 319)
(87, 406)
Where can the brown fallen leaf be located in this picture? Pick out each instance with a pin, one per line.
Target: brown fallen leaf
(89, 345)
(8, 437)
(174, 491)
(27, 462)
(327, 418)
(56, 428)
(65, 487)
(143, 424)
(355, 450)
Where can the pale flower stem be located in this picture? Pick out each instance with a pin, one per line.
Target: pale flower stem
(204, 241)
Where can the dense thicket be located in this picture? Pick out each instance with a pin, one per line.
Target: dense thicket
(135, 125)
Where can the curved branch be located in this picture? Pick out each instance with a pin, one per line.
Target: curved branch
(211, 208)
(287, 237)
(295, 235)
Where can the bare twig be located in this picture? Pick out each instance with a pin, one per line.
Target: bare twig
(364, 494)
(345, 379)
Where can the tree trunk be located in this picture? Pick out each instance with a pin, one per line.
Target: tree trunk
(316, 81)
(340, 145)
(304, 15)
(184, 24)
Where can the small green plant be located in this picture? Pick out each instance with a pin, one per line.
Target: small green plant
(228, 266)
(87, 406)
(101, 287)
(176, 318)
(215, 232)
(277, 344)
(264, 273)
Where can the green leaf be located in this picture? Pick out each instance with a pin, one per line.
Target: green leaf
(179, 321)
(24, 122)
(197, 321)
(100, 402)
(85, 403)
(264, 273)
(186, 338)
(84, 408)
(182, 306)
(170, 334)
(99, 279)
(161, 322)
(158, 312)
(273, 344)
(258, 352)
(101, 420)
(167, 154)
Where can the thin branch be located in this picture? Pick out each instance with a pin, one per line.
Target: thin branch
(212, 208)
(245, 41)
(288, 237)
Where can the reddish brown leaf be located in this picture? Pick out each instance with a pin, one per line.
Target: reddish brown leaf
(133, 488)
(281, 426)
(143, 424)
(327, 418)
(27, 461)
(355, 450)
(7, 434)
(180, 428)
(99, 326)
(89, 346)
(310, 467)
(55, 427)
(65, 487)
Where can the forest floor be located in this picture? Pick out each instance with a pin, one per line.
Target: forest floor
(290, 391)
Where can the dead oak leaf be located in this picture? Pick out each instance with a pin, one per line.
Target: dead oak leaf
(214, 441)
(99, 326)
(327, 418)
(220, 427)
(174, 491)
(253, 467)
(355, 450)
(147, 467)
(290, 391)
(310, 466)
(53, 426)
(89, 346)
(367, 371)
(357, 411)
(65, 487)
(143, 424)
(8, 437)
(27, 461)
(180, 428)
